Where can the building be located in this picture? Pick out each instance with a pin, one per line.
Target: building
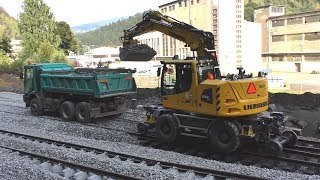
(290, 43)
(105, 55)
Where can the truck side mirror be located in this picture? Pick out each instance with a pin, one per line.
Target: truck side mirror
(21, 76)
(159, 71)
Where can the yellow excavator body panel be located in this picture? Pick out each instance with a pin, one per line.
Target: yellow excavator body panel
(220, 97)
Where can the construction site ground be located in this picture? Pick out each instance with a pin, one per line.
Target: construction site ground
(303, 109)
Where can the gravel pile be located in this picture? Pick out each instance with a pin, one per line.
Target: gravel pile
(110, 140)
(308, 101)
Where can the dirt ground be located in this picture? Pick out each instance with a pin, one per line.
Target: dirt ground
(303, 110)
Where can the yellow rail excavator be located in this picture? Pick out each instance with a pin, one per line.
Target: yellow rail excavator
(197, 101)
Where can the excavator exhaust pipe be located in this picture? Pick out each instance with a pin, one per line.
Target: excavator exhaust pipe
(137, 52)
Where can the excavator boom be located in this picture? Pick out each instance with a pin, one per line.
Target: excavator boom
(198, 40)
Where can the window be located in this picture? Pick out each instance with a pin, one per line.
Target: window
(180, 4)
(294, 37)
(278, 58)
(294, 21)
(198, 1)
(203, 71)
(185, 3)
(173, 7)
(294, 58)
(311, 19)
(191, 2)
(312, 57)
(312, 36)
(276, 23)
(278, 38)
(277, 9)
(177, 78)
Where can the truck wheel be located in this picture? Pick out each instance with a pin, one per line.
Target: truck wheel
(224, 137)
(35, 107)
(82, 112)
(167, 128)
(67, 111)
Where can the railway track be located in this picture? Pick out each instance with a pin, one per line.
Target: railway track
(302, 158)
(197, 171)
(68, 169)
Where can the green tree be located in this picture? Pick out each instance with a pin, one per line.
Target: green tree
(68, 39)
(8, 30)
(37, 31)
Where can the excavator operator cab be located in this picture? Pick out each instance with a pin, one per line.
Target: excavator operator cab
(176, 78)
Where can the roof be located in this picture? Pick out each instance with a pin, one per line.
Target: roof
(308, 13)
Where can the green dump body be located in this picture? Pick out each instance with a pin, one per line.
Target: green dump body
(97, 83)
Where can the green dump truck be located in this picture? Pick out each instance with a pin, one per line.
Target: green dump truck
(80, 94)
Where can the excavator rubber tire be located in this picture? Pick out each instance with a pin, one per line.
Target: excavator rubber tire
(167, 128)
(137, 52)
(224, 137)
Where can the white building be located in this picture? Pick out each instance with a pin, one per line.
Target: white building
(94, 56)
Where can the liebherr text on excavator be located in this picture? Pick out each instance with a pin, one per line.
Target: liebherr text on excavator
(197, 101)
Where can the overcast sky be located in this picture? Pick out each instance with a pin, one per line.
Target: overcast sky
(76, 12)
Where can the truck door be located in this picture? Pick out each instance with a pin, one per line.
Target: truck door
(28, 80)
(177, 90)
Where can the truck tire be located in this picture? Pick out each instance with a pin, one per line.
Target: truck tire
(167, 128)
(35, 107)
(67, 110)
(224, 137)
(82, 112)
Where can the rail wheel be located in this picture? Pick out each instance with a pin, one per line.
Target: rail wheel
(35, 107)
(67, 110)
(224, 137)
(167, 128)
(82, 112)
(291, 136)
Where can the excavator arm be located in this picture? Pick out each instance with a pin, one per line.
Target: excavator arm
(198, 40)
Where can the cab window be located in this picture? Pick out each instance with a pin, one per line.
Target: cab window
(177, 78)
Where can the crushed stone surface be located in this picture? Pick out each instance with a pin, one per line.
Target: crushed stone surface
(14, 116)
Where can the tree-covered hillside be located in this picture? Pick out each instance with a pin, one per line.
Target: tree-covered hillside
(109, 35)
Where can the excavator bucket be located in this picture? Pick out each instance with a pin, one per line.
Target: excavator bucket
(137, 52)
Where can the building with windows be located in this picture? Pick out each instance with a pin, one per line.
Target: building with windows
(290, 43)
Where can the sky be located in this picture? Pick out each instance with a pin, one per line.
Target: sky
(76, 12)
